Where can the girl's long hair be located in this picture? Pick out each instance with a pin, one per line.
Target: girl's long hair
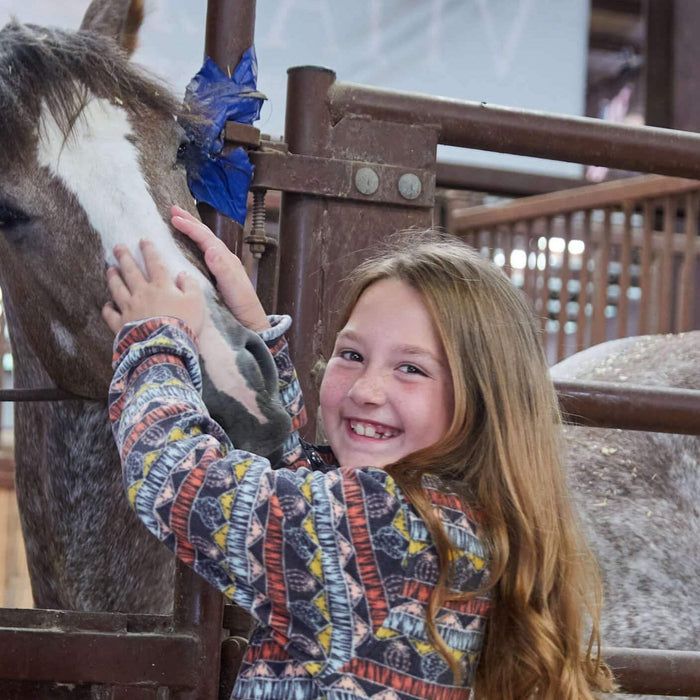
(501, 454)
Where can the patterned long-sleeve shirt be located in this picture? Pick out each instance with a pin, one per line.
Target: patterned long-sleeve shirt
(334, 564)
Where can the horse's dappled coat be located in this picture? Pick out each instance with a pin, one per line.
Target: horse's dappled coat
(92, 156)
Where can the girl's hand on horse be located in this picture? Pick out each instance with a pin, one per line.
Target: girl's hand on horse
(231, 278)
(137, 296)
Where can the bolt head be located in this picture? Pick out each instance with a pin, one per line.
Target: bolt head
(366, 181)
(410, 186)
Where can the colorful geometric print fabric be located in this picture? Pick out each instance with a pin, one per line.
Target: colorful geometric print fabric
(334, 564)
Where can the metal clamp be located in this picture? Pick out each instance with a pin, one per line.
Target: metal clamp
(276, 169)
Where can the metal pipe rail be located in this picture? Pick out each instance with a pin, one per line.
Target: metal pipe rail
(600, 196)
(526, 132)
(596, 404)
(95, 648)
(655, 671)
(629, 407)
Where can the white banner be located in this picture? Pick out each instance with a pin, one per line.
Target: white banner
(518, 53)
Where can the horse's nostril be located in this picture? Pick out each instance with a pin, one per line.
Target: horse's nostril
(257, 348)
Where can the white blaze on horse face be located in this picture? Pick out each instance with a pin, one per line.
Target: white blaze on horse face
(99, 164)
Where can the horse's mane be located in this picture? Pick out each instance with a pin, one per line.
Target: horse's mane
(60, 68)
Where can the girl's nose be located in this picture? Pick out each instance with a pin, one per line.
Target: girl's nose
(368, 389)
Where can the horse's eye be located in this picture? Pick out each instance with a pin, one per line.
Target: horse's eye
(182, 149)
(9, 217)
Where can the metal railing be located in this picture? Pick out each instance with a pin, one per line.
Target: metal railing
(599, 262)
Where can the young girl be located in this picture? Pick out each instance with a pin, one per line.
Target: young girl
(432, 548)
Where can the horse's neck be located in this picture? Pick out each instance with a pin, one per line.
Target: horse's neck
(27, 370)
(86, 550)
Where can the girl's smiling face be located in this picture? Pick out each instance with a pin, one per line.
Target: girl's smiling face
(387, 390)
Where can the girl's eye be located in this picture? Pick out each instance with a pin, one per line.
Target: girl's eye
(350, 355)
(412, 369)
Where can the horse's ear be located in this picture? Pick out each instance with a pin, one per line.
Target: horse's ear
(118, 19)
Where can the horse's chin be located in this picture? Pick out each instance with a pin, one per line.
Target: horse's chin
(87, 388)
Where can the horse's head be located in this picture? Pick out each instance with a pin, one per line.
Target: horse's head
(93, 155)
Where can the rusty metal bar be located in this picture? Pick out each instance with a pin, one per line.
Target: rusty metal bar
(589, 197)
(625, 271)
(665, 290)
(93, 657)
(596, 403)
(630, 407)
(332, 177)
(304, 224)
(686, 286)
(645, 306)
(527, 132)
(77, 647)
(47, 394)
(458, 176)
(198, 611)
(678, 240)
(564, 275)
(655, 671)
(529, 273)
(600, 282)
(507, 236)
(583, 278)
(228, 35)
(544, 289)
(197, 607)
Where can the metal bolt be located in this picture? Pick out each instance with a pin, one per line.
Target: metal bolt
(366, 181)
(409, 186)
(257, 240)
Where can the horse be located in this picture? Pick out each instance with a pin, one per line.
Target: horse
(93, 155)
(638, 496)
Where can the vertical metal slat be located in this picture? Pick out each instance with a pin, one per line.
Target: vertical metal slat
(544, 290)
(564, 277)
(581, 320)
(625, 271)
(645, 283)
(665, 292)
(600, 287)
(686, 287)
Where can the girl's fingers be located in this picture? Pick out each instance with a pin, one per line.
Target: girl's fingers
(112, 317)
(116, 286)
(186, 283)
(156, 271)
(237, 290)
(227, 281)
(194, 229)
(130, 271)
(179, 211)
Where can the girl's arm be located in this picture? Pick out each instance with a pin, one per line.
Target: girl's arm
(280, 543)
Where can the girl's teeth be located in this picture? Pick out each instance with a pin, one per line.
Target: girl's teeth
(369, 431)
